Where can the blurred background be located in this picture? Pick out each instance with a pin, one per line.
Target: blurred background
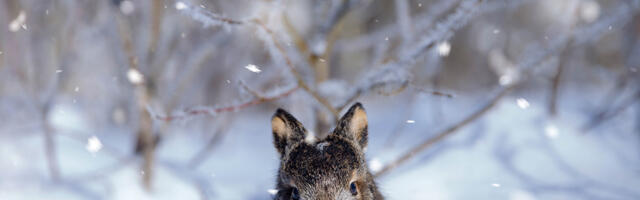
(466, 99)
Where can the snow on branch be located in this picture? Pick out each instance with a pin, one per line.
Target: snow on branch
(205, 17)
(270, 38)
(398, 73)
(444, 30)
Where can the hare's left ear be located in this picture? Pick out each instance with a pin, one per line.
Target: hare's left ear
(353, 125)
(286, 130)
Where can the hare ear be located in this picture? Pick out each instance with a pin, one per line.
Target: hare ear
(285, 130)
(353, 125)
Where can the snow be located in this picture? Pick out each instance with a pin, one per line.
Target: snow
(253, 68)
(127, 7)
(589, 11)
(515, 151)
(490, 154)
(180, 5)
(93, 144)
(375, 165)
(18, 22)
(444, 48)
(522, 103)
(134, 76)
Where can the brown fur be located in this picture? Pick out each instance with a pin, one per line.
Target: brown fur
(325, 168)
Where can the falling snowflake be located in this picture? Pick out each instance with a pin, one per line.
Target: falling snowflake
(127, 7)
(411, 121)
(93, 144)
(589, 11)
(253, 68)
(135, 76)
(506, 80)
(444, 49)
(272, 191)
(181, 5)
(77, 89)
(551, 131)
(496, 31)
(18, 22)
(495, 185)
(522, 103)
(58, 71)
(375, 165)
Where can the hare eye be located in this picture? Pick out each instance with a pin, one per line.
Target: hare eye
(353, 188)
(294, 194)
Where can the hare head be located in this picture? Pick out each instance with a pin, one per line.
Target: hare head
(333, 167)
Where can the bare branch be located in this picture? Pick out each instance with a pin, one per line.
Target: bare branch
(203, 154)
(205, 17)
(189, 112)
(295, 73)
(50, 150)
(209, 18)
(442, 135)
(611, 113)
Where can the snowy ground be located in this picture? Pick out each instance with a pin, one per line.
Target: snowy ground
(514, 152)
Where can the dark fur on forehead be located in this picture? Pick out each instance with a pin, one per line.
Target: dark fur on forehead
(337, 160)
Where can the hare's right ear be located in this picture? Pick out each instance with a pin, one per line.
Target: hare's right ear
(286, 129)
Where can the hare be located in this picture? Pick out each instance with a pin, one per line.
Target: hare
(332, 168)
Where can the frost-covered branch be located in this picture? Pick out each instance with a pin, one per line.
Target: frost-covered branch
(526, 66)
(398, 72)
(301, 83)
(209, 19)
(205, 17)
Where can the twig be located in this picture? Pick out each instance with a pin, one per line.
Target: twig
(209, 18)
(609, 114)
(295, 73)
(555, 87)
(203, 154)
(442, 31)
(431, 92)
(50, 148)
(442, 135)
(206, 17)
(213, 111)
(526, 65)
(143, 97)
